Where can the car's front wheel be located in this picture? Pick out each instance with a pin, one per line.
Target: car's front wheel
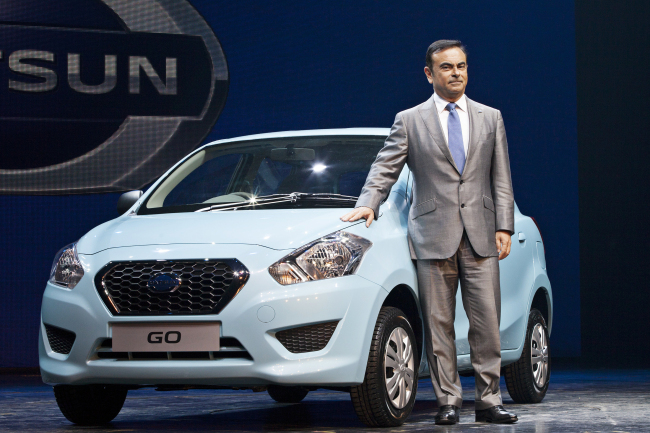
(90, 404)
(528, 378)
(387, 394)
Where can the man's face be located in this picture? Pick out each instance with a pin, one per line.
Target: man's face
(449, 75)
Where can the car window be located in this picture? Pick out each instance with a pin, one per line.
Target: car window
(242, 171)
(351, 183)
(209, 179)
(270, 175)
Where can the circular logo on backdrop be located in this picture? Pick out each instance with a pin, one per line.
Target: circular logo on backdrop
(103, 95)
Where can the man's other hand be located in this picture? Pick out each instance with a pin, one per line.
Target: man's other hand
(360, 212)
(503, 244)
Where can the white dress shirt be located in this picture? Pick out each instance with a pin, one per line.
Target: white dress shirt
(443, 115)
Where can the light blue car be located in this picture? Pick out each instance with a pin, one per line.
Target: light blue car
(234, 270)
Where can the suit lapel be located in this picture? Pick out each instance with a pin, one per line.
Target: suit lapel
(475, 127)
(429, 114)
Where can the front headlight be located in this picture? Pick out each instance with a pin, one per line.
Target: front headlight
(331, 256)
(66, 269)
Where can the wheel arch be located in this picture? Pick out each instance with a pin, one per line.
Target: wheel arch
(542, 301)
(403, 297)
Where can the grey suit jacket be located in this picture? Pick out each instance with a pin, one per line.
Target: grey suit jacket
(481, 200)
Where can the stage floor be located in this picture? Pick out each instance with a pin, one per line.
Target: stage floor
(577, 401)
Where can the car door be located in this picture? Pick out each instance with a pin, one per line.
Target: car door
(517, 274)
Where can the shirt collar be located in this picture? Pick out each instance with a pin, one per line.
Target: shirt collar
(441, 104)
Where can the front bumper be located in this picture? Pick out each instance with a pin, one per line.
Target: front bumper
(352, 300)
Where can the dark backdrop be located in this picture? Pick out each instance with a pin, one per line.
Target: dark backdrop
(613, 116)
(304, 65)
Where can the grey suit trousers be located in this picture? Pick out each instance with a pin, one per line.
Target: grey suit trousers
(480, 289)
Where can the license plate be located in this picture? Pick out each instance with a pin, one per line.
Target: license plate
(165, 337)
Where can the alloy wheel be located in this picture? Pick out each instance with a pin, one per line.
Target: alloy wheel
(539, 355)
(399, 363)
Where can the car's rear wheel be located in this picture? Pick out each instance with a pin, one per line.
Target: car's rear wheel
(528, 378)
(387, 394)
(287, 394)
(90, 404)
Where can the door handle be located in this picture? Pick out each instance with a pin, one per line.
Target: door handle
(522, 236)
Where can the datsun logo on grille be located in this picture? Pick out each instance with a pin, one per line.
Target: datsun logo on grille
(166, 283)
(103, 95)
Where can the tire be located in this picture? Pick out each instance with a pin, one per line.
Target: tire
(372, 400)
(523, 377)
(287, 394)
(90, 405)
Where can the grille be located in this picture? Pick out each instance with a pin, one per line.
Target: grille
(60, 340)
(231, 348)
(307, 338)
(206, 286)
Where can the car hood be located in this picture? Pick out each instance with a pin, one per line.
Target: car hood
(278, 229)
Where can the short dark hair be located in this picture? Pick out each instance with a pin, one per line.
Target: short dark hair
(439, 46)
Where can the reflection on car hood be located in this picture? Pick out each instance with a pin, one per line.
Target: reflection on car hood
(274, 228)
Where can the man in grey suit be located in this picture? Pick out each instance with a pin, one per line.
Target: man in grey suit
(459, 224)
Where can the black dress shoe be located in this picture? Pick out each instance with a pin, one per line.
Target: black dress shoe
(497, 415)
(447, 415)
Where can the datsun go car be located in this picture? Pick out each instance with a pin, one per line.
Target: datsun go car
(234, 270)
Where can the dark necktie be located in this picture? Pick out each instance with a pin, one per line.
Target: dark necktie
(455, 137)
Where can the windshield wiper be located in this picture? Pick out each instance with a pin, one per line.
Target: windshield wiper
(279, 198)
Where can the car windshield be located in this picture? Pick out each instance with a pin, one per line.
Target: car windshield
(323, 168)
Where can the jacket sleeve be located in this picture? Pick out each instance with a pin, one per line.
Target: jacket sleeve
(387, 167)
(504, 202)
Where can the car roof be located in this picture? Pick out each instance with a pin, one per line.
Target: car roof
(380, 132)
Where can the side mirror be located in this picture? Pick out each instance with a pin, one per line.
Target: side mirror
(127, 200)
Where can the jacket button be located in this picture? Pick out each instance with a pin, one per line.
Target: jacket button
(462, 181)
(462, 205)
